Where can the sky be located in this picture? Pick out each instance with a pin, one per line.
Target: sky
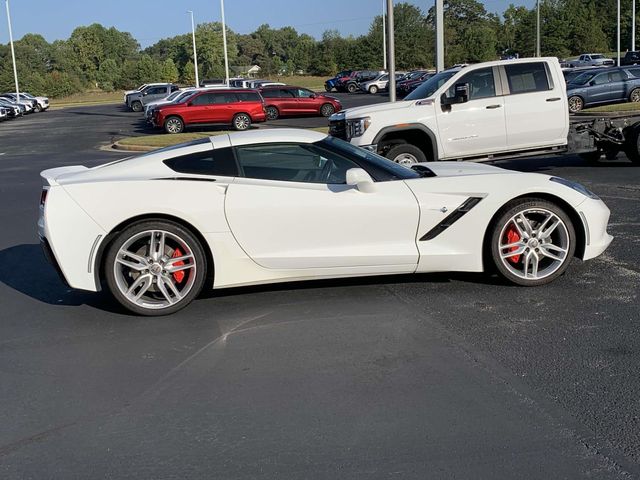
(151, 20)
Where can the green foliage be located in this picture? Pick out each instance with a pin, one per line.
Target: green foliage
(169, 71)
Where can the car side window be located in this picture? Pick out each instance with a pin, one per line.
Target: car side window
(527, 77)
(302, 93)
(219, 162)
(248, 96)
(481, 84)
(601, 79)
(293, 162)
(224, 97)
(286, 93)
(616, 76)
(204, 99)
(271, 93)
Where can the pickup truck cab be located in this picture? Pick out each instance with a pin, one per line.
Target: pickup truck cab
(500, 109)
(137, 100)
(593, 60)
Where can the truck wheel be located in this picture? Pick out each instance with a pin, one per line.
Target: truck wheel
(406, 154)
(575, 104)
(632, 145)
(136, 106)
(373, 89)
(352, 87)
(634, 96)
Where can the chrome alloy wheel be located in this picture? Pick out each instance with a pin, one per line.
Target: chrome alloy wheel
(173, 125)
(242, 122)
(155, 269)
(406, 159)
(575, 104)
(534, 244)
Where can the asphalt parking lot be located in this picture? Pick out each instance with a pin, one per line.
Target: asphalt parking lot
(430, 376)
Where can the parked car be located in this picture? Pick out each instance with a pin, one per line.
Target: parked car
(353, 83)
(573, 72)
(137, 100)
(175, 97)
(593, 60)
(236, 107)
(30, 105)
(14, 109)
(277, 205)
(330, 84)
(631, 58)
(39, 104)
(139, 89)
(292, 101)
(603, 85)
(377, 84)
(4, 113)
(407, 86)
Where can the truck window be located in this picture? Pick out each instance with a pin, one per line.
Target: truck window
(527, 77)
(481, 84)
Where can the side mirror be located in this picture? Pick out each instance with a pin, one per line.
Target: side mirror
(359, 178)
(592, 83)
(460, 95)
(313, 95)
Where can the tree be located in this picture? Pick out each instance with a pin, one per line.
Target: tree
(188, 75)
(108, 75)
(169, 71)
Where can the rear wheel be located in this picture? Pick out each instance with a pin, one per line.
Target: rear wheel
(575, 104)
(532, 242)
(272, 113)
(352, 87)
(38, 107)
(327, 110)
(136, 106)
(634, 96)
(632, 145)
(155, 267)
(241, 121)
(373, 89)
(406, 154)
(173, 125)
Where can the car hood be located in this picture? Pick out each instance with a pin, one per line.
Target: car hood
(460, 169)
(379, 108)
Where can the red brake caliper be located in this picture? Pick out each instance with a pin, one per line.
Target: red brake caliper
(179, 276)
(512, 237)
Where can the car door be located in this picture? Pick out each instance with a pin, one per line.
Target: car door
(306, 101)
(288, 101)
(477, 126)
(617, 86)
(599, 89)
(535, 106)
(291, 209)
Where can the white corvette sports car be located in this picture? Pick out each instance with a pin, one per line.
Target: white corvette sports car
(281, 205)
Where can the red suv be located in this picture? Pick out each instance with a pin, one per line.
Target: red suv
(237, 107)
(296, 101)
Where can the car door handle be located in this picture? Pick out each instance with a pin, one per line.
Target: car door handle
(491, 107)
(554, 99)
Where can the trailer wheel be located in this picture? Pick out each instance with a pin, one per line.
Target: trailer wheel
(632, 146)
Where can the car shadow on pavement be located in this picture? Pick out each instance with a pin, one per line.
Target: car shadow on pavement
(24, 268)
(543, 164)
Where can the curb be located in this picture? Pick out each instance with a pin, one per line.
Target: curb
(133, 148)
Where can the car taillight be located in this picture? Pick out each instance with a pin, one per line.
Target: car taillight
(43, 196)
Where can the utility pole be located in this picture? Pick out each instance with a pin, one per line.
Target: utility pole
(618, 32)
(224, 44)
(13, 53)
(538, 54)
(384, 38)
(439, 35)
(195, 54)
(392, 52)
(633, 25)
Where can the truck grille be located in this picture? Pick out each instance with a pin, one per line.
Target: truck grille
(338, 129)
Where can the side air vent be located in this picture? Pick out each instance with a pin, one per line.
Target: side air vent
(452, 218)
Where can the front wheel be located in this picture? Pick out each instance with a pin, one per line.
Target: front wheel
(155, 267)
(575, 104)
(173, 125)
(327, 88)
(532, 242)
(373, 89)
(241, 122)
(406, 154)
(352, 87)
(136, 106)
(38, 108)
(327, 110)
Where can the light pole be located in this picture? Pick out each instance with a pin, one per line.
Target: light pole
(538, 54)
(13, 53)
(384, 38)
(439, 35)
(392, 52)
(633, 25)
(618, 32)
(224, 45)
(195, 54)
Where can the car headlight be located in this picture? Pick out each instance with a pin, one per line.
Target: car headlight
(575, 186)
(357, 126)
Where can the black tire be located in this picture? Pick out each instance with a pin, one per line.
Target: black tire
(352, 87)
(173, 125)
(327, 88)
(406, 154)
(241, 122)
(272, 113)
(576, 104)
(632, 144)
(327, 110)
(194, 280)
(38, 108)
(634, 96)
(504, 219)
(373, 89)
(137, 106)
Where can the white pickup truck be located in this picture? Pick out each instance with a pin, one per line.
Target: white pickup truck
(487, 111)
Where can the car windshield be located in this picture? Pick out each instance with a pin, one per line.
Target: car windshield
(389, 170)
(174, 95)
(430, 87)
(583, 78)
(597, 56)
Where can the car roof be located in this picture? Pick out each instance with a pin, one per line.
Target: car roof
(267, 135)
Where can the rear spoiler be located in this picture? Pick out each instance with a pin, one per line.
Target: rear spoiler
(49, 176)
